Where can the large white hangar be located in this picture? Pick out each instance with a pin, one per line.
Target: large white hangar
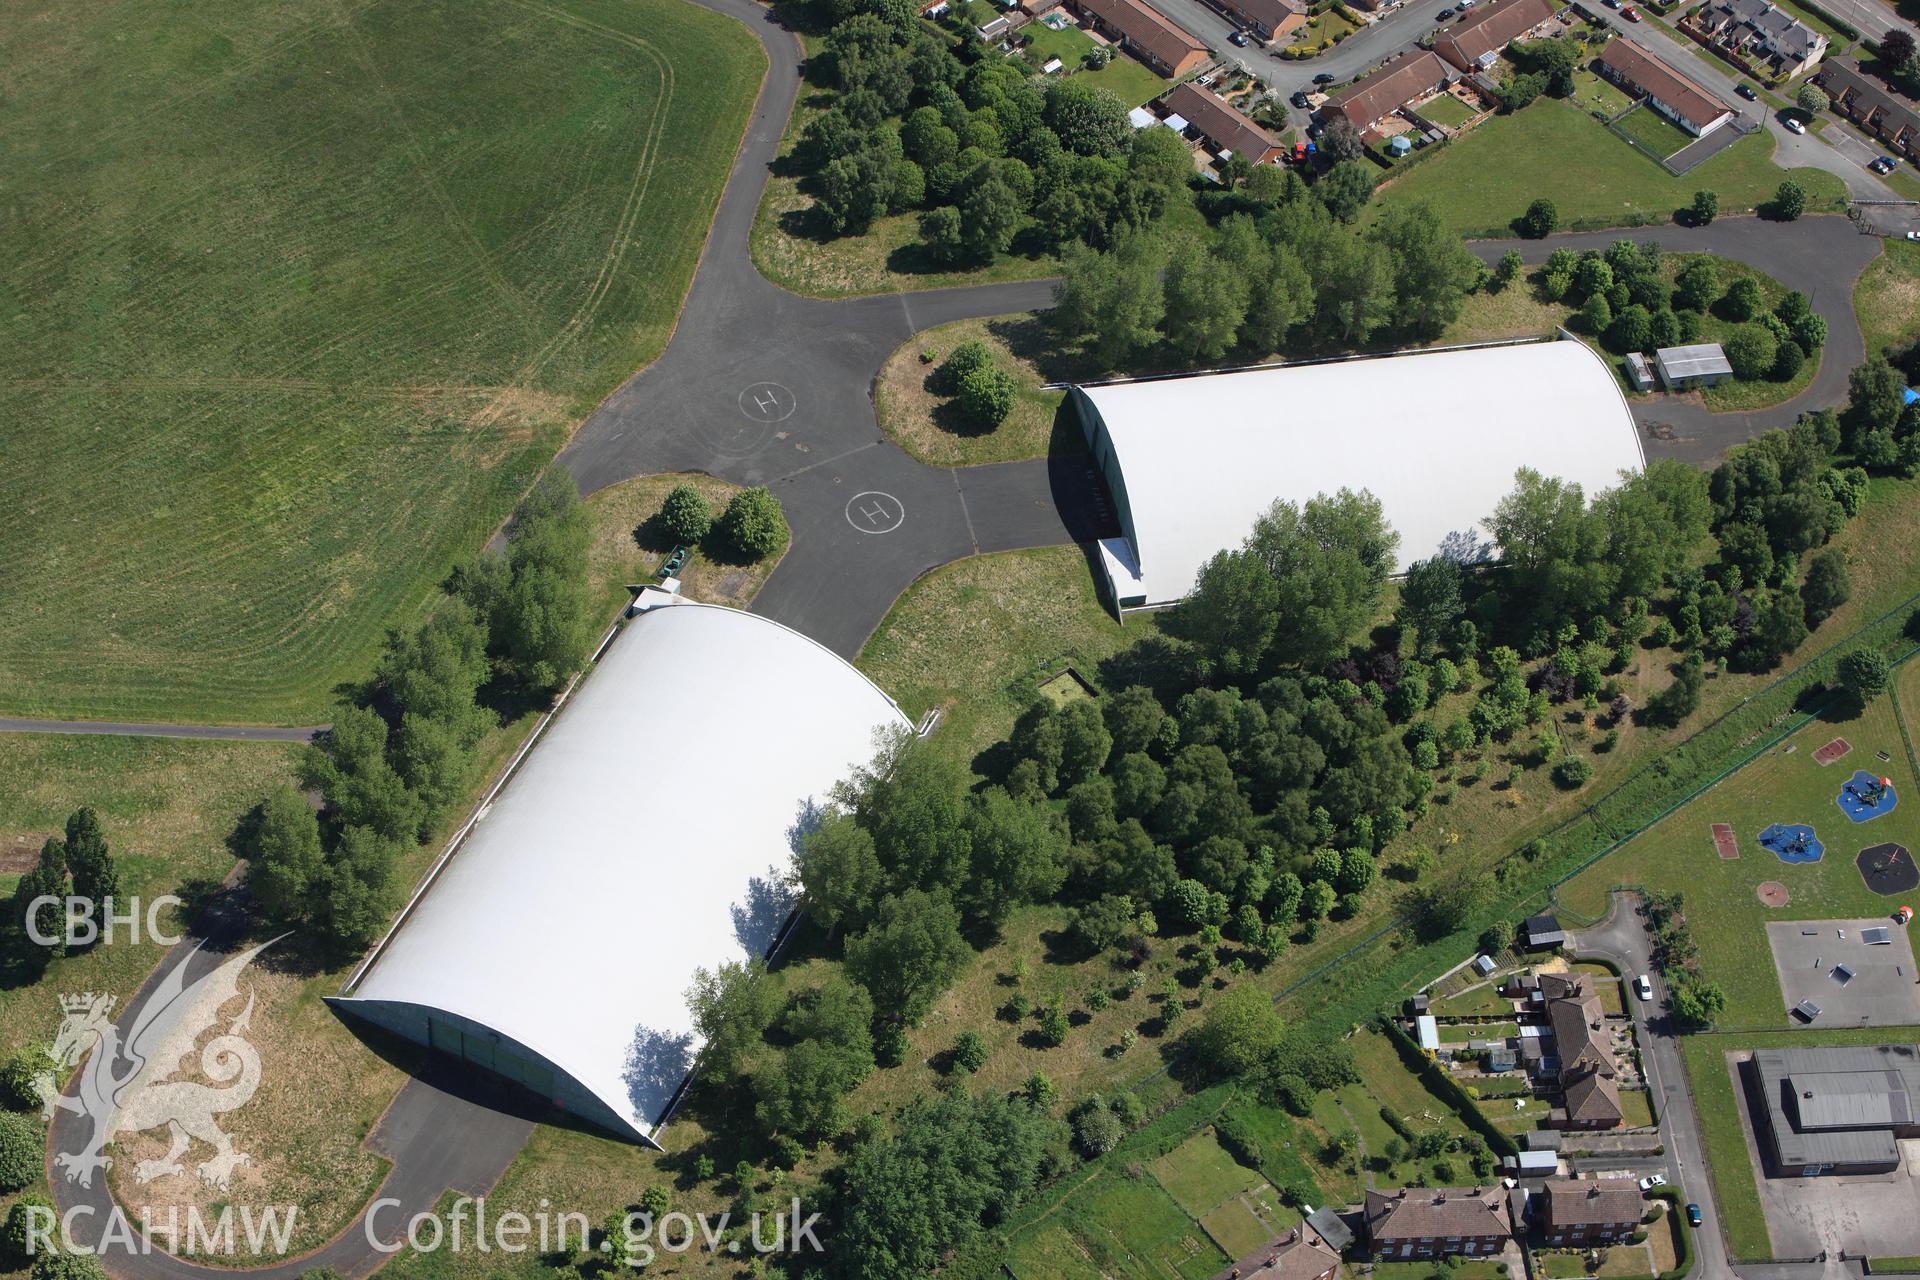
(1436, 436)
(644, 834)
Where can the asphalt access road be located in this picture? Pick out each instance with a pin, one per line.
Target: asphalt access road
(762, 386)
(1821, 256)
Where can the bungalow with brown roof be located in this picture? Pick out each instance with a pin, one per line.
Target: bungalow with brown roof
(1226, 128)
(1411, 76)
(1893, 120)
(1296, 1255)
(1142, 31)
(1673, 95)
(1475, 42)
(1436, 1222)
(1588, 1211)
(1268, 19)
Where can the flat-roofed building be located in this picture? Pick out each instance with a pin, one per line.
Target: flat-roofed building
(1147, 34)
(1836, 1111)
(1671, 94)
(1474, 42)
(1700, 364)
(1226, 128)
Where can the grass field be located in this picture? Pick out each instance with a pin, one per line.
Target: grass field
(1711, 1085)
(307, 288)
(1784, 785)
(1555, 149)
(627, 549)
(1887, 299)
(1659, 135)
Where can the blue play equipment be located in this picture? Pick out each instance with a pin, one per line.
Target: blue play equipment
(1792, 842)
(1865, 796)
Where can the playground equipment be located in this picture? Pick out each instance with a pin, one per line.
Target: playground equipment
(1865, 796)
(1792, 842)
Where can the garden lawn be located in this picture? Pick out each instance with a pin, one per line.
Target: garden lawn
(1887, 299)
(1606, 984)
(1117, 1226)
(1554, 149)
(1591, 93)
(1447, 109)
(1476, 1002)
(297, 312)
(1781, 786)
(1711, 1084)
(1131, 80)
(1635, 1108)
(1659, 135)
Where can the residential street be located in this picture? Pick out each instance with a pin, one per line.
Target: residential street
(1622, 939)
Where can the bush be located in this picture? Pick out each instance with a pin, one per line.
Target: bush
(1863, 674)
(685, 516)
(964, 359)
(970, 1051)
(1573, 772)
(986, 397)
(1095, 1128)
(13, 1234)
(16, 1077)
(23, 1150)
(1789, 201)
(1751, 350)
(1539, 220)
(753, 523)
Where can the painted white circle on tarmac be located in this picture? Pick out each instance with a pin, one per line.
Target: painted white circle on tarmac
(875, 512)
(768, 402)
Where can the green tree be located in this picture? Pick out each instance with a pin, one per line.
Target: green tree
(1103, 922)
(732, 1007)
(990, 212)
(1110, 303)
(1751, 350)
(1444, 905)
(1232, 613)
(54, 1265)
(89, 862)
(1237, 1030)
(1206, 301)
(943, 233)
(1329, 559)
(29, 1210)
(753, 523)
(1509, 269)
(438, 669)
(1430, 600)
(1828, 585)
(1631, 330)
(986, 397)
(1705, 207)
(1696, 1003)
(911, 953)
(1697, 285)
(1089, 120)
(964, 359)
(1345, 188)
(362, 789)
(539, 602)
(1354, 279)
(685, 515)
(18, 1076)
(1812, 99)
(1539, 220)
(361, 888)
(970, 1051)
(840, 875)
(1863, 675)
(47, 878)
(286, 868)
(22, 1151)
(1596, 314)
(829, 1051)
(1096, 1130)
(1433, 270)
(1743, 301)
(1789, 201)
(1019, 853)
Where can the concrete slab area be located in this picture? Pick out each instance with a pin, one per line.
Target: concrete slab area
(1883, 991)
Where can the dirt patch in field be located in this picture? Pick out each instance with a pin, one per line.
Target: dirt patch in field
(18, 854)
(1772, 893)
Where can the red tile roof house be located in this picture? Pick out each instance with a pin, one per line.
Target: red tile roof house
(1268, 19)
(1223, 126)
(1665, 90)
(1474, 43)
(1588, 1211)
(1435, 1222)
(1141, 31)
(1408, 77)
(1297, 1255)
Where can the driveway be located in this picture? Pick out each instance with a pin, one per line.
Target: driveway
(1822, 256)
(1622, 939)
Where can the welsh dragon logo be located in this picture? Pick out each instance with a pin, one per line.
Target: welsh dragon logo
(125, 1086)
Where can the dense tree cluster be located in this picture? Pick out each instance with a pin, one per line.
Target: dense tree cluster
(1877, 426)
(80, 865)
(1284, 273)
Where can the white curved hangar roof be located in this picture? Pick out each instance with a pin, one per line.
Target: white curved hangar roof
(1436, 436)
(643, 835)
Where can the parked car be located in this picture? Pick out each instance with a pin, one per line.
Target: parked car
(1653, 1180)
(1913, 235)
(1630, 13)
(1444, 15)
(1299, 99)
(1748, 92)
(1325, 77)
(1693, 1215)
(1793, 125)
(1238, 38)
(1467, 4)
(1884, 165)
(1643, 987)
